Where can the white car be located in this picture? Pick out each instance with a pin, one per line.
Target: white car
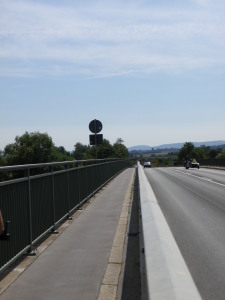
(147, 164)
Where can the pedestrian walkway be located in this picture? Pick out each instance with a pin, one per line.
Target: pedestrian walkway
(85, 260)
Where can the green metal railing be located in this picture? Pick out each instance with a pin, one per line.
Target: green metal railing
(212, 162)
(37, 204)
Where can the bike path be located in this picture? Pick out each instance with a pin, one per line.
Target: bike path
(85, 260)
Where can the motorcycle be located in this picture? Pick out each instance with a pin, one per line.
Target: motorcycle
(187, 164)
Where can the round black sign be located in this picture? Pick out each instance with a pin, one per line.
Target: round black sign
(95, 126)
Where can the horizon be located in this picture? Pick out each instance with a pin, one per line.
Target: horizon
(151, 72)
(217, 143)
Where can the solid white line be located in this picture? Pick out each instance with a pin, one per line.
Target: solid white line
(202, 178)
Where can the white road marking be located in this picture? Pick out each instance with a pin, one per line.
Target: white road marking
(202, 178)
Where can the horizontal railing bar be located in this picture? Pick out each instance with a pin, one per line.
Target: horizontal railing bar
(41, 165)
(11, 181)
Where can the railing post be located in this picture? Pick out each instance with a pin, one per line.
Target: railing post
(68, 192)
(32, 250)
(86, 183)
(53, 201)
(78, 183)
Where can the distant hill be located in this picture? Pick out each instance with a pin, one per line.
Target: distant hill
(210, 144)
(174, 146)
(139, 148)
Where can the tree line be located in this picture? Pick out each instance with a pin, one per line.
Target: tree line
(36, 147)
(200, 153)
(176, 158)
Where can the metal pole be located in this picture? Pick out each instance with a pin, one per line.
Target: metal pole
(96, 154)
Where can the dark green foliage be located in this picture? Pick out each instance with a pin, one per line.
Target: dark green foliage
(221, 155)
(187, 149)
(81, 152)
(120, 150)
(199, 153)
(105, 150)
(33, 148)
(2, 159)
(36, 147)
(62, 155)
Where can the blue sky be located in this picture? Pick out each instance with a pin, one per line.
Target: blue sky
(151, 71)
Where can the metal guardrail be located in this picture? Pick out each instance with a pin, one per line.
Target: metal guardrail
(166, 274)
(212, 162)
(36, 204)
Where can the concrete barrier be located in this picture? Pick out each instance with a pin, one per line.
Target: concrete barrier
(167, 276)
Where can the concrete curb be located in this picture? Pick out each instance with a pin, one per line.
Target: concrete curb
(110, 283)
(167, 276)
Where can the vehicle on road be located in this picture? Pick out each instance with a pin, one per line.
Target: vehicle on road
(147, 164)
(194, 164)
(191, 164)
(187, 164)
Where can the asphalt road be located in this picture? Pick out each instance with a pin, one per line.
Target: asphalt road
(193, 202)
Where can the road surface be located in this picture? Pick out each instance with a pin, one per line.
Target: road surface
(193, 202)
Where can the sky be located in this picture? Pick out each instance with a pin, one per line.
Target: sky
(153, 72)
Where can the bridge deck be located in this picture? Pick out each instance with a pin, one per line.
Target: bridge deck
(86, 258)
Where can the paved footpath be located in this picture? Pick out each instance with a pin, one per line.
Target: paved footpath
(84, 262)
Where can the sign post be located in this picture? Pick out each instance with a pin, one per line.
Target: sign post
(95, 127)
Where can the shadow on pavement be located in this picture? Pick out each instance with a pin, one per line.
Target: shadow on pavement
(132, 280)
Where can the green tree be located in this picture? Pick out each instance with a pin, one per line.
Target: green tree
(31, 148)
(62, 154)
(119, 141)
(82, 152)
(187, 149)
(200, 153)
(2, 159)
(221, 155)
(214, 152)
(104, 150)
(119, 149)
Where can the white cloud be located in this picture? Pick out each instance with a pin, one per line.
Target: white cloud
(98, 40)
